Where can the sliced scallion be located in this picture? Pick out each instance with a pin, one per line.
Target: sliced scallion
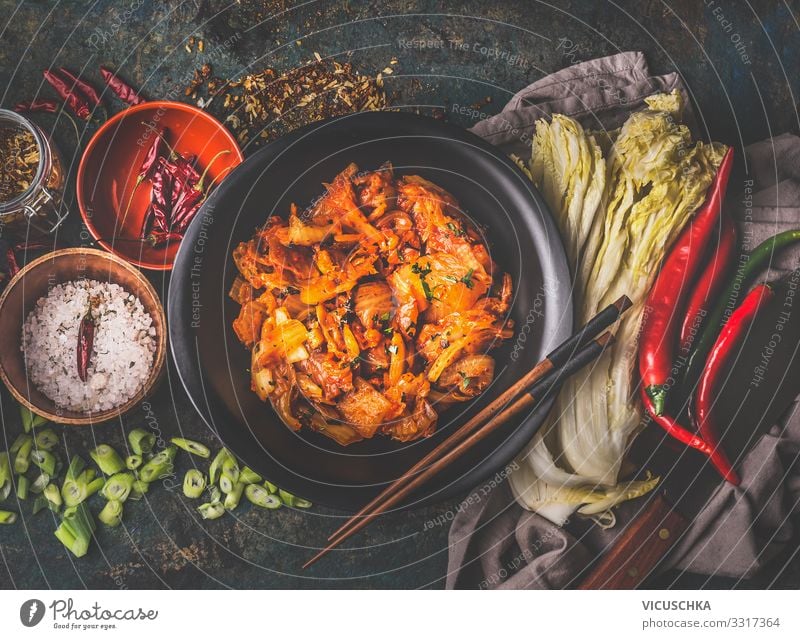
(213, 510)
(260, 496)
(230, 469)
(52, 495)
(272, 488)
(30, 420)
(111, 515)
(194, 483)
(22, 487)
(75, 468)
(5, 490)
(139, 489)
(5, 469)
(214, 494)
(22, 460)
(225, 484)
(45, 461)
(46, 439)
(216, 465)
(132, 462)
(160, 466)
(233, 497)
(249, 476)
(76, 529)
(17, 443)
(7, 517)
(291, 500)
(193, 447)
(118, 487)
(107, 459)
(141, 441)
(39, 504)
(40, 483)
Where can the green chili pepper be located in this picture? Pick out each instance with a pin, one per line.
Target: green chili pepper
(141, 441)
(52, 495)
(234, 496)
(290, 500)
(139, 489)
(213, 510)
(272, 488)
(40, 483)
(22, 461)
(261, 496)
(132, 462)
(30, 420)
(249, 476)
(160, 466)
(196, 448)
(22, 487)
(118, 486)
(46, 439)
(44, 460)
(111, 515)
(76, 529)
(194, 483)
(7, 518)
(107, 459)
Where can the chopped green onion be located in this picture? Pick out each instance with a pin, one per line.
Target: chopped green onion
(46, 439)
(75, 468)
(95, 486)
(87, 475)
(139, 489)
(234, 496)
(52, 495)
(159, 466)
(79, 484)
(196, 448)
(22, 487)
(107, 459)
(132, 462)
(44, 460)
(118, 487)
(214, 494)
(260, 496)
(22, 461)
(5, 469)
(7, 517)
(111, 515)
(5, 490)
(76, 529)
(38, 504)
(30, 420)
(249, 476)
(230, 469)
(272, 488)
(225, 484)
(290, 500)
(213, 510)
(40, 483)
(141, 441)
(216, 465)
(18, 442)
(194, 483)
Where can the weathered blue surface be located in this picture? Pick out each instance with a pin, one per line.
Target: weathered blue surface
(739, 61)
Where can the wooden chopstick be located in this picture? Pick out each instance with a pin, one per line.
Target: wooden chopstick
(525, 402)
(556, 358)
(544, 377)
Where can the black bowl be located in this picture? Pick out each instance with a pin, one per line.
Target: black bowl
(214, 368)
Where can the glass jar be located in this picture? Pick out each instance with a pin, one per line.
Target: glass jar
(39, 210)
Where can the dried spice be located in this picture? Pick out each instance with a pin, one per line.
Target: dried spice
(85, 344)
(76, 102)
(120, 88)
(37, 106)
(19, 155)
(266, 105)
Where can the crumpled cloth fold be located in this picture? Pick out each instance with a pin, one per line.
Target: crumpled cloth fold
(495, 543)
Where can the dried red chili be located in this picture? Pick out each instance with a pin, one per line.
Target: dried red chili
(12, 266)
(120, 88)
(88, 91)
(159, 238)
(76, 103)
(85, 344)
(37, 106)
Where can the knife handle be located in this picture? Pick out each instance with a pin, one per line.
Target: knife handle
(640, 547)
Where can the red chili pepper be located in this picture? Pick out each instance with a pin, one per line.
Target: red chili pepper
(120, 88)
(190, 203)
(162, 185)
(159, 238)
(37, 106)
(673, 427)
(85, 344)
(75, 102)
(12, 266)
(718, 363)
(661, 321)
(709, 284)
(88, 91)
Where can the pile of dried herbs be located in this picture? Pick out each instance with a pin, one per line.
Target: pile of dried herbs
(263, 106)
(19, 160)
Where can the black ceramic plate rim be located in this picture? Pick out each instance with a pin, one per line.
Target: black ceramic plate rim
(185, 351)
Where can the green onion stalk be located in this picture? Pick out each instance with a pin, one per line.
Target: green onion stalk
(249, 476)
(79, 484)
(107, 459)
(111, 515)
(194, 483)
(260, 496)
(291, 500)
(193, 447)
(45, 461)
(52, 495)
(5, 470)
(213, 510)
(118, 487)
(216, 466)
(160, 466)
(76, 529)
(132, 462)
(22, 487)
(141, 441)
(234, 496)
(22, 460)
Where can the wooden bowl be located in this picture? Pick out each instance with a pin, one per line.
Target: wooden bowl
(32, 283)
(108, 169)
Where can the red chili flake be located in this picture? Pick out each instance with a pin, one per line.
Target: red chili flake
(75, 102)
(34, 106)
(120, 88)
(85, 344)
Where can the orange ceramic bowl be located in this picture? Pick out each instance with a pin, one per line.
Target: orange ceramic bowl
(109, 167)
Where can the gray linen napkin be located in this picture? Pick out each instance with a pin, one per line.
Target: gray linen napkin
(494, 543)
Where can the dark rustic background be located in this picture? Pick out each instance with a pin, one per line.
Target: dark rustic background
(740, 61)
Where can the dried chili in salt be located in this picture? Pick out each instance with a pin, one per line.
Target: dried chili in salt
(85, 344)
